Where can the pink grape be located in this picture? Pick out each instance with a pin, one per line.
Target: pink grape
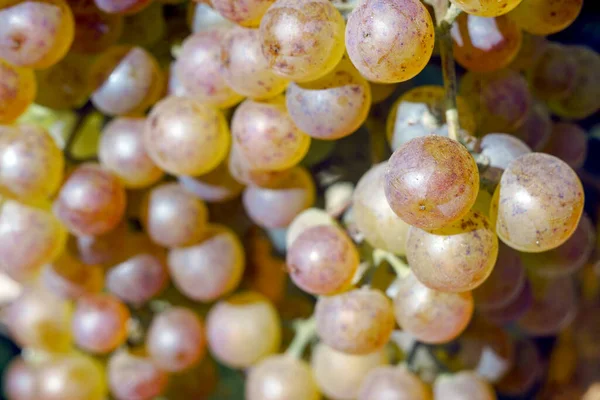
(527, 369)
(134, 377)
(95, 30)
(462, 385)
(243, 12)
(554, 73)
(514, 310)
(69, 278)
(19, 380)
(394, 382)
(569, 143)
(242, 172)
(214, 187)
(536, 128)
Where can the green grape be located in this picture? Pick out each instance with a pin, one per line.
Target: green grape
(95, 30)
(531, 49)
(144, 28)
(526, 371)
(69, 278)
(17, 92)
(302, 41)
(134, 376)
(554, 73)
(71, 377)
(431, 181)
(569, 143)
(217, 186)
(536, 128)
(394, 383)
(64, 85)
(306, 220)
(462, 385)
(390, 40)
(542, 17)
(332, 106)
(540, 201)
(243, 12)
(486, 8)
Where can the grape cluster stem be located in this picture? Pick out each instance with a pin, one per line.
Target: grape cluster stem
(305, 332)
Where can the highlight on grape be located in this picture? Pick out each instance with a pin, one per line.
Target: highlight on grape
(299, 200)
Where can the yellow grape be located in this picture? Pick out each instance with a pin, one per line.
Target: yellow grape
(59, 123)
(306, 220)
(543, 17)
(302, 41)
(71, 377)
(241, 171)
(17, 92)
(134, 376)
(243, 12)
(531, 49)
(69, 278)
(486, 8)
(569, 143)
(554, 74)
(462, 385)
(146, 27)
(394, 382)
(381, 91)
(95, 30)
(64, 85)
(217, 186)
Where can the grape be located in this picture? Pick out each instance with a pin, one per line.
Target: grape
(396, 383)
(31, 164)
(390, 40)
(214, 187)
(514, 309)
(527, 369)
(243, 329)
(322, 260)
(208, 270)
(500, 149)
(176, 340)
(91, 201)
(542, 17)
(277, 207)
(202, 17)
(19, 380)
(281, 377)
(532, 47)
(29, 238)
(505, 282)
(340, 375)
(95, 30)
(429, 315)
(485, 44)
(35, 33)
(540, 201)
(536, 128)
(122, 151)
(39, 319)
(245, 68)
(486, 8)
(101, 249)
(420, 112)
(122, 6)
(302, 41)
(462, 385)
(69, 278)
(431, 181)
(332, 106)
(120, 91)
(17, 92)
(184, 137)
(266, 136)
(306, 220)
(71, 377)
(145, 28)
(198, 69)
(195, 383)
(569, 143)
(356, 322)
(554, 74)
(242, 172)
(381, 91)
(134, 377)
(243, 12)
(174, 217)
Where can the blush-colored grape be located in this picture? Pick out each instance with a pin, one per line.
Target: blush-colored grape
(500, 149)
(18, 91)
(134, 377)
(101, 249)
(214, 187)
(70, 278)
(19, 380)
(122, 6)
(526, 371)
(396, 383)
(532, 47)
(536, 128)
(198, 382)
(242, 172)
(461, 386)
(486, 8)
(95, 30)
(541, 17)
(71, 377)
(514, 309)
(65, 84)
(569, 143)
(306, 220)
(554, 74)
(243, 12)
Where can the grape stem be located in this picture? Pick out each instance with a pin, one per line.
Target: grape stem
(305, 332)
(400, 267)
(82, 114)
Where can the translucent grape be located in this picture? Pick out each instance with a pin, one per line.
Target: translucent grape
(29, 238)
(122, 6)
(431, 181)
(211, 268)
(134, 377)
(532, 47)
(198, 69)
(486, 8)
(355, 322)
(176, 340)
(101, 249)
(340, 375)
(306, 220)
(527, 369)
(281, 377)
(184, 137)
(394, 383)
(462, 385)
(302, 41)
(242, 172)
(485, 44)
(514, 309)
(540, 202)
(266, 135)
(31, 164)
(277, 207)
(95, 30)
(19, 380)
(91, 201)
(569, 143)
(332, 106)
(202, 17)
(536, 128)
(243, 12)
(117, 90)
(71, 377)
(69, 278)
(214, 187)
(381, 91)
(554, 74)
(390, 40)
(35, 33)
(174, 217)
(244, 318)
(541, 17)
(17, 92)
(420, 112)
(500, 149)
(245, 68)
(122, 151)
(429, 315)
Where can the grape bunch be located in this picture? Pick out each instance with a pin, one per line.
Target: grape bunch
(277, 200)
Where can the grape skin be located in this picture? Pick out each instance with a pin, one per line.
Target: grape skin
(541, 17)
(217, 186)
(393, 382)
(514, 309)
(462, 385)
(242, 172)
(527, 369)
(246, 13)
(95, 30)
(134, 377)
(71, 377)
(306, 220)
(18, 91)
(69, 278)
(569, 143)
(486, 8)
(532, 47)
(19, 380)
(500, 149)
(554, 73)
(536, 128)
(122, 6)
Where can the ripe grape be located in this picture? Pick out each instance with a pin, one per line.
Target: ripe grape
(70, 278)
(486, 8)
(462, 385)
(174, 217)
(394, 383)
(101, 249)
(196, 383)
(356, 322)
(532, 47)
(18, 91)
(31, 164)
(540, 201)
(71, 377)
(266, 136)
(214, 187)
(527, 369)
(122, 151)
(541, 17)
(19, 380)
(243, 12)
(134, 377)
(65, 84)
(430, 315)
(122, 6)
(117, 90)
(243, 329)
(332, 106)
(242, 172)
(306, 220)
(95, 30)
(209, 269)
(35, 33)
(91, 201)
(302, 41)
(500, 149)
(176, 340)
(390, 40)
(184, 137)
(431, 181)
(340, 375)
(569, 143)
(202, 17)
(281, 377)
(381, 91)
(514, 309)
(276, 207)
(554, 74)
(485, 44)
(536, 128)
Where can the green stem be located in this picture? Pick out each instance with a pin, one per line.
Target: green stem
(305, 332)
(82, 114)
(399, 266)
